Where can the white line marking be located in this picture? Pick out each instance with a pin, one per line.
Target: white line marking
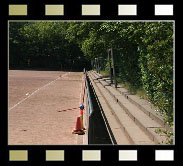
(37, 91)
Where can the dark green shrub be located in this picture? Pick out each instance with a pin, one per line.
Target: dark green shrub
(156, 63)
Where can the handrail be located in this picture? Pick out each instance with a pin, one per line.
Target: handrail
(89, 111)
(88, 97)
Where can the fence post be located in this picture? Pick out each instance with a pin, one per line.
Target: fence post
(110, 70)
(114, 72)
(96, 64)
(92, 64)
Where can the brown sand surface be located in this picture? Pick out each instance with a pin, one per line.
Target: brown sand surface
(36, 101)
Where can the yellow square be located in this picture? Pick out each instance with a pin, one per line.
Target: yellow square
(18, 155)
(54, 9)
(17, 10)
(90, 9)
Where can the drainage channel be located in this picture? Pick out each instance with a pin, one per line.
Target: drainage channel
(98, 133)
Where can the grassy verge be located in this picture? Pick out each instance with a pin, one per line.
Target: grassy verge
(134, 90)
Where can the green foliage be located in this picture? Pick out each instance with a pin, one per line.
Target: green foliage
(44, 45)
(15, 44)
(156, 63)
(168, 134)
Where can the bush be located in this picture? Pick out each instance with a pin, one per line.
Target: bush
(156, 64)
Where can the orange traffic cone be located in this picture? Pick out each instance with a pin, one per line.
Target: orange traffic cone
(81, 120)
(78, 129)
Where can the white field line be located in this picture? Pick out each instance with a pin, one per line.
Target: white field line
(37, 91)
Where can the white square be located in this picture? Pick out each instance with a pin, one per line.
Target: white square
(163, 10)
(127, 9)
(54, 155)
(127, 155)
(91, 155)
(164, 155)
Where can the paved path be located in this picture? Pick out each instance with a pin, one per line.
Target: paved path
(36, 101)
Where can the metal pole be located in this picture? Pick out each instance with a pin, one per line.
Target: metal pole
(109, 59)
(92, 64)
(113, 65)
(98, 65)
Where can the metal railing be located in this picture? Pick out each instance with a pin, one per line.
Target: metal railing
(88, 98)
(89, 111)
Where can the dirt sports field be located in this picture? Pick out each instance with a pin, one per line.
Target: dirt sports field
(36, 103)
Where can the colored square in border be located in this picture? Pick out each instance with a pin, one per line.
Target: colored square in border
(18, 155)
(129, 10)
(17, 10)
(91, 155)
(127, 155)
(164, 155)
(54, 10)
(91, 10)
(54, 155)
(163, 10)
